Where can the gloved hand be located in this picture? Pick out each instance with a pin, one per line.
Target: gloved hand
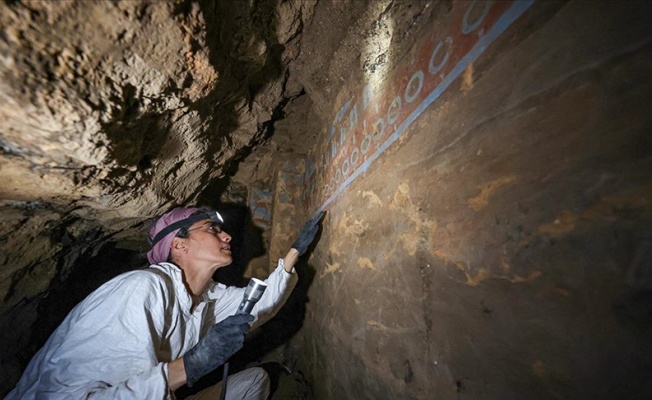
(220, 342)
(307, 234)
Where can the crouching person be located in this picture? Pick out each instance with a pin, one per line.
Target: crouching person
(145, 333)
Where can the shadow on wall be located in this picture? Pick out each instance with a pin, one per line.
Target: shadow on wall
(246, 243)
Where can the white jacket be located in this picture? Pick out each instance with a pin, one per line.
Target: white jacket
(117, 342)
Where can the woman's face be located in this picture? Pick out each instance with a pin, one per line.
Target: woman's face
(207, 242)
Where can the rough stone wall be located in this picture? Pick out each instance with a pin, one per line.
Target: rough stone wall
(499, 246)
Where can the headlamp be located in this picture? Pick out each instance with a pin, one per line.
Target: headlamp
(212, 215)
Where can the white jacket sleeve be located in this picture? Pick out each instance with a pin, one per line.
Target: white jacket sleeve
(106, 348)
(279, 286)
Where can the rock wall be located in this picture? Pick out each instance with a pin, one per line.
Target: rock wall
(489, 198)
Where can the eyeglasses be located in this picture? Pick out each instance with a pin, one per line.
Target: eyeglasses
(213, 227)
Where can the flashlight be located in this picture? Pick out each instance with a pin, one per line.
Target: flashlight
(252, 294)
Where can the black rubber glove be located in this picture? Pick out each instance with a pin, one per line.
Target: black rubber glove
(307, 234)
(220, 342)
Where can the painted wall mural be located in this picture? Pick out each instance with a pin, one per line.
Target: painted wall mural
(370, 121)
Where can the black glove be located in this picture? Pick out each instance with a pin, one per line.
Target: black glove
(307, 234)
(220, 342)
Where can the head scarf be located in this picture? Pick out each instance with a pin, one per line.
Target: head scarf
(161, 250)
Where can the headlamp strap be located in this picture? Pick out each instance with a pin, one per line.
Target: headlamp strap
(212, 215)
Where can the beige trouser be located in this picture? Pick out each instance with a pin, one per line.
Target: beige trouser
(250, 384)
